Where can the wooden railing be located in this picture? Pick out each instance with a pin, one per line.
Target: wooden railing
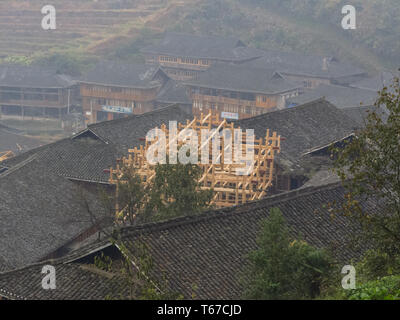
(33, 103)
(117, 95)
(220, 99)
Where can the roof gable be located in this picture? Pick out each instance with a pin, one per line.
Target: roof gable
(40, 212)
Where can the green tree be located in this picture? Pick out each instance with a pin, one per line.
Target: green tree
(282, 268)
(173, 192)
(176, 191)
(369, 167)
(386, 288)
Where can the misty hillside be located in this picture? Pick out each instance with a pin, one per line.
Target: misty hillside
(118, 28)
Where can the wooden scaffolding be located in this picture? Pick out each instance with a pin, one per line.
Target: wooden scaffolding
(233, 182)
(6, 155)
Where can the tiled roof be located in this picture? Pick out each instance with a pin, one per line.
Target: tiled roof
(86, 155)
(129, 132)
(360, 114)
(32, 77)
(207, 47)
(384, 79)
(210, 250)
(40, 212)
(295, 63)
(73, 282)
(342, 97)
(305, 128)
(13, 140)
(122, 75)
(173, 92)
(243, 78)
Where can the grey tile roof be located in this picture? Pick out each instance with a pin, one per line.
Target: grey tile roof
(173, 92)
(86, 155)
(73, 282)
(210, 250)
(13, 140)
(342, 97)
(321, 178)
(129, 132)
(32, 77)
(305, 128)
(207, 47)
(122, 75)
(383, 79)
(243, 78)
(295, 63)
(359, 114)
(40, 212)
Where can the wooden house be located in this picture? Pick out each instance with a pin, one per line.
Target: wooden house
(28, 91)
(114, 90)
(238, 92)
(183, 56)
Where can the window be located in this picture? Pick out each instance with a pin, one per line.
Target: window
(307, 84)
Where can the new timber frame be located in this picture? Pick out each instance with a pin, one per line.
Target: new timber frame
(6, 155)
(230, 188)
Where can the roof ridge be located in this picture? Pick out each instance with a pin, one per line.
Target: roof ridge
(18, 166)
(225, 212)
(322, 99)
(193, 219)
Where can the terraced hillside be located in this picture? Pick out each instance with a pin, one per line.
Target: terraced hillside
(119, 28)
(82, 25)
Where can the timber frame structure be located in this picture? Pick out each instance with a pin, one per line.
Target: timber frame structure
(229, 187)
(6, 155)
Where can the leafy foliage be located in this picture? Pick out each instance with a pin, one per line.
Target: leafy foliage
(103, 262)
(173, 192)
(369, 167)
(282, 268)
(386, 288)
(176, 190)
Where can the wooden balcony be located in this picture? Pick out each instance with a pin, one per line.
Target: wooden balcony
(224, 100)
(33, 103)
(185, 66)
(117, 95)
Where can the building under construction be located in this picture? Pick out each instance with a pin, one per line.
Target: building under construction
(235, 180)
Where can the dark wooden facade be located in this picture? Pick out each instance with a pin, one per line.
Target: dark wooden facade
(36, 102)
(108, 102)
(239, 105)
(184, 56)
(179, 68)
